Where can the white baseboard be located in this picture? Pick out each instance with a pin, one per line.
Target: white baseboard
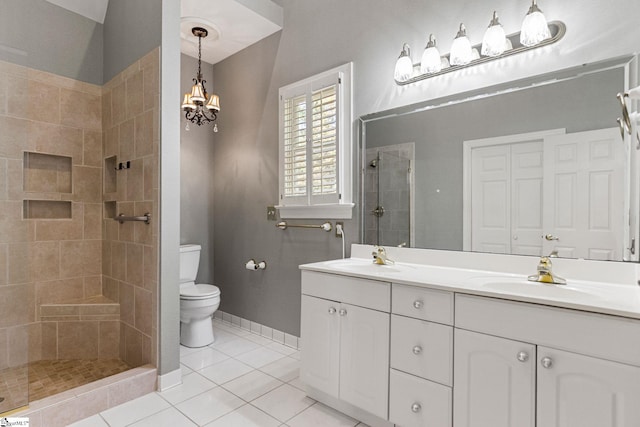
(170, 379)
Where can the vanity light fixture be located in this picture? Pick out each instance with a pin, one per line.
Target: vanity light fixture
(404, 65)
(461, 50)
(431, 61)
(536, 32)
(200, 107)
(495, 41)
(534, 27)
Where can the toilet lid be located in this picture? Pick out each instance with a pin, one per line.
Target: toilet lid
(199, 291)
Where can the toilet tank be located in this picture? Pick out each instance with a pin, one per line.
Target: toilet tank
(189, 262)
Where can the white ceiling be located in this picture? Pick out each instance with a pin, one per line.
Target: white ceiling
(232, 24)
(92, 9)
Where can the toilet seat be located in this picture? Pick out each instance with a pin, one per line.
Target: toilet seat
(197, 292)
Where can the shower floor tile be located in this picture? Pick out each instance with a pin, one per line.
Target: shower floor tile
(49, 377)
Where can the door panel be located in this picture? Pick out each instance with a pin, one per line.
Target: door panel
(581, 391)
(491, 386)
(320, 332)
(364, 359)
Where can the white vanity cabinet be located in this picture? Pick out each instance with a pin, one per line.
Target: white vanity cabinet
(345, 339)
(527, 365)
(421, 371)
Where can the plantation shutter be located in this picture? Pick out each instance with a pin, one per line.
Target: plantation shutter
(310, 129)
(295, 146)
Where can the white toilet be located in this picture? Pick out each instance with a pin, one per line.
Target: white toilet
(197, 302)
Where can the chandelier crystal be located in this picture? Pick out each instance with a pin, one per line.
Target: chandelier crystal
(200, 107)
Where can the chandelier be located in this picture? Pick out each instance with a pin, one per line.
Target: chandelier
(200, 107)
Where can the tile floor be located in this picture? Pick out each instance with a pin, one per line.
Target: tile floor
(241, 380)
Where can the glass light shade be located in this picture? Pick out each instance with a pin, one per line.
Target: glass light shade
(214, 103)
(197, 93)
(461, 52)
(431, 61)
(404, 65)
(494, 40)
(534, 27)
(186, 102)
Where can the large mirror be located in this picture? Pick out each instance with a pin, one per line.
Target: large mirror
(528, 168)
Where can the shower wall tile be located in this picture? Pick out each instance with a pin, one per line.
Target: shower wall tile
(109, 340)
(134, 264)
(92, 285)
(4, 350)
(35, 341)
(13, 94)
(19, 263)
(49, 347)
(142, 310)
(92, 148)
(127, 144)
(126, 294)
(134, 94)
(80, 109)
(110, 289)
(13, 136)
(4, 194)
(4, 259)
(131, 132)
(92, 221)
(45, 257)
(55, 139)
(87, 184)
(18, 345)
(62, 229)
(118, 105)
(78, 340)
(58, 291)
(14, 315)
(43, 102)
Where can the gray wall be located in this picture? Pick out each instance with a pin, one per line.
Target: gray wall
(40, 35)
(321, 35)
(585, 103)
(196, 164)
(131, 29)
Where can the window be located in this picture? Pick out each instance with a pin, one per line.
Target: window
(315, 146)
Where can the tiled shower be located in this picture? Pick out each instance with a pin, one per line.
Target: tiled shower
(75, 284)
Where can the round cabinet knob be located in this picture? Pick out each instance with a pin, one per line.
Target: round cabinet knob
(546, 362)
(417, 304)
(343, 312)
(417, 349)
(522, 356)
(332, 310)
(416, 407)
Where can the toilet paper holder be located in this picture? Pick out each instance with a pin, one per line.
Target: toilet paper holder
(253, 265)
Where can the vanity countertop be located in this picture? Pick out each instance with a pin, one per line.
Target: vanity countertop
(598, 297)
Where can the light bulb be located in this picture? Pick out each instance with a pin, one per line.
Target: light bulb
(461, 52)
(186, 127)
(215, 127)
(404, 65)
(495, 40)
(431, 61)
(534, 27)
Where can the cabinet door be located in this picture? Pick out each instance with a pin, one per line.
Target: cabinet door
(364, 358)
(320, 333)
(582, 391)
(494, 381)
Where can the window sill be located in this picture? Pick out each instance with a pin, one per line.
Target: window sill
(329, 211)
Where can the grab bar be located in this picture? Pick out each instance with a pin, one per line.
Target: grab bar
(146, 218)
(326, 226)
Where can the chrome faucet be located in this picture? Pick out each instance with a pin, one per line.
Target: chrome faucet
(380, 256)
(545, 273)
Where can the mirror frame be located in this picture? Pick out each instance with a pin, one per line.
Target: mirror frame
(629, 63)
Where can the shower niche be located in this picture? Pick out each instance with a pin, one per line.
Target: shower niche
(47, 178)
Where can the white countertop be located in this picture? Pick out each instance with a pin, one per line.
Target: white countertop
(593, 296)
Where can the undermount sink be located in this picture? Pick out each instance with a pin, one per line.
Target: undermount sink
(525, 287)
(365, 267)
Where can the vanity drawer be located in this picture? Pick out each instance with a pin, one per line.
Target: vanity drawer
(599, 335)
(422, 348)
(423, 303)
(366, 293)
(417, 402)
